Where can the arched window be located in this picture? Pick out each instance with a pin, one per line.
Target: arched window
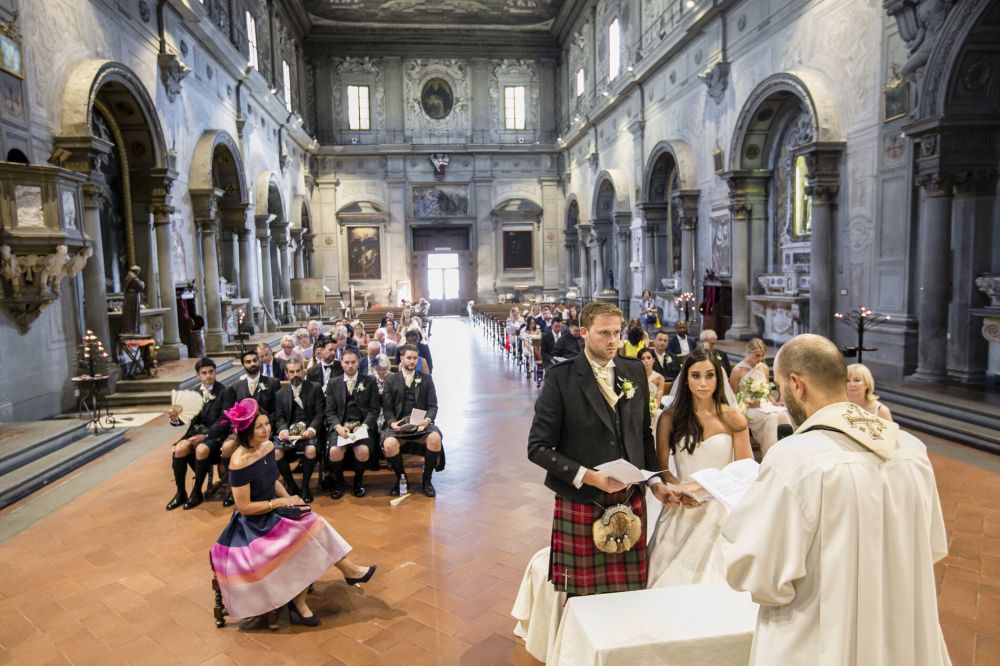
(614, 50)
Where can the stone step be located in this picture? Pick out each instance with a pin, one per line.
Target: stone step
(955, 428)
(133, 399)
(38, 473)
(949, 406)
(41, 439)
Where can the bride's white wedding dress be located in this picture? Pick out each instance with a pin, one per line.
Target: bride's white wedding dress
(684, 548)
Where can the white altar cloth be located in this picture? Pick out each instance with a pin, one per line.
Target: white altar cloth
(684, 625)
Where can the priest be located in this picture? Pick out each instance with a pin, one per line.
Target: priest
(838, 537)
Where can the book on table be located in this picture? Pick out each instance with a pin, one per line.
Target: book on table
(731, 483)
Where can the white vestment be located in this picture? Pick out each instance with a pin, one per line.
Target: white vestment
(836, 541)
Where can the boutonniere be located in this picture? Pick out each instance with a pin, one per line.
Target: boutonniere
(627, 389)
(417, 380)
(360, 388)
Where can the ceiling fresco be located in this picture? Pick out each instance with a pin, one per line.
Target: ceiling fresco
(515, 13)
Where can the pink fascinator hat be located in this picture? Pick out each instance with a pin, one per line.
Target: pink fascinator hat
(242, 414)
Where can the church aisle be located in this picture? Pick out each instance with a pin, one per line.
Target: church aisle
(113, 578)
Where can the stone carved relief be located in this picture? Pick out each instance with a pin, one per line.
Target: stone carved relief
(716, 79)
(920, 26)
(347, 66)
(172, 72)
(517, 70)
(416, 74)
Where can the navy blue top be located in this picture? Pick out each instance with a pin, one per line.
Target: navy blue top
(260, 474)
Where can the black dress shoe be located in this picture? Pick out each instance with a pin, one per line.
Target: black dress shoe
(295, 617)
(195, 499)
(364, 579)
(229, 501)
(337, 493)
(360, 490)
(429, 489)
(178, 500)
(307, 496)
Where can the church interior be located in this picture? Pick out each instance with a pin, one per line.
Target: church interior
(188, 179)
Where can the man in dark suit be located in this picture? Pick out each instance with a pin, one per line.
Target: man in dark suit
(328, 366)
(664, 362)
(253, 385)
(594, 409)
(352, 401)
(299, 402)
(192, 450)
(403, 392)
(549, 340)
(681, 344)
(569, 346)
(708, 339)
(269, 365)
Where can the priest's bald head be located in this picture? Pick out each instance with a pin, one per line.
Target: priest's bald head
(811, 374)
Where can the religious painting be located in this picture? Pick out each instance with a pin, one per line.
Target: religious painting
(11, 96)
(437, 99)
(440, 201)
(722, 257)
(517, 250)
(10, 56)
(895, 97)
(364, 253)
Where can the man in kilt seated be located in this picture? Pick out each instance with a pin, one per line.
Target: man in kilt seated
(298, 419)
(352, 403)
(403, 392)
(594, 408)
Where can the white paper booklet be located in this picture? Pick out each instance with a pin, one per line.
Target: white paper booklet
(624, 471)
(190, 403)
(417, 415)
(359, 434)
(731, 483)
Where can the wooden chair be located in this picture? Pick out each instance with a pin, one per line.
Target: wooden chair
(220, 608)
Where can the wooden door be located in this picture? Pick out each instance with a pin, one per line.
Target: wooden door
(437, 246)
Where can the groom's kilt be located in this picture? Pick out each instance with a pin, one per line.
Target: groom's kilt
(577, 566)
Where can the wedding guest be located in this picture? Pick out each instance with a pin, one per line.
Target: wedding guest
(648, 312)
(592, 410)
(657, 385)
(393, 338)
(680, 344)
(838, 537)
(299, 402)
(666, 364)
(192, 450)
(709, 339)
(635, 339)
(360, 337)
(287, 351)
(570, 343)
(368, 362)
(702, 429)
(314, 329)
(328, 366)
(531, 339)
(352, 401)
(270, 366)
(271, 552)
(425, 363)
(403, 392)
(861, 391)
(763, 412)
(305, 344)
(549, 340)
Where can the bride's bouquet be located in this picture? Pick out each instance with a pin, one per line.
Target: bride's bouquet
(753, 389)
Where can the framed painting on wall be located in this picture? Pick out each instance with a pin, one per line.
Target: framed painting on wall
(517, 250)
(440, 201)
(364, 253)
(10, 55)
(722, 253)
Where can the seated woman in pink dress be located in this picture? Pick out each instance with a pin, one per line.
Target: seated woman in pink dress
(274, 547)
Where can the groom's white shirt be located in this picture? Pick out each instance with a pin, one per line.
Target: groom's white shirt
(837, 541)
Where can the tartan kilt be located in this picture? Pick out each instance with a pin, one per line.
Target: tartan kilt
(577, 567)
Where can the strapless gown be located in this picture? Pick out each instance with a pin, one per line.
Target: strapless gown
(684, 548)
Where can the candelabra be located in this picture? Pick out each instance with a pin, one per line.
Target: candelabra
(241, 335)
(93, 401)
(861, 320)
(684, 303)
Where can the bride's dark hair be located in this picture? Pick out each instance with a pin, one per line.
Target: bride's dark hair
(686, 432)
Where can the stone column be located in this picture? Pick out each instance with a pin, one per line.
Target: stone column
(655, 215)
(95, 297)
(228, 242)
(299, 266)
(934, 276)
(267, 296)
(570, 246)
(583, 231)
(822, 185)
(215, 341)
(740, 330)
(686, 204)
(623, 229)
(596, 245)
(172, 349)
(246, 275)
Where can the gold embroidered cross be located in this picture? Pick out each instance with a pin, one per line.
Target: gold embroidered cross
(859, 419)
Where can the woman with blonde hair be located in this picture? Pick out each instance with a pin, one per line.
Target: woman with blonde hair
(750, 378)
(861, 391)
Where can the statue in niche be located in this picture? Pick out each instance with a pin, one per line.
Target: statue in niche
(133, 290)
(10, 269)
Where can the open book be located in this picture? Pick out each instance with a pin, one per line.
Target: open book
(731, 483)
(360, 433)
(189, 404)
(624, 471)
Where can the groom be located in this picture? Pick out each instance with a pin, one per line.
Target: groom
(593, 408)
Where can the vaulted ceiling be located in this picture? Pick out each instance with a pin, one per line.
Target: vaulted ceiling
(522, 14)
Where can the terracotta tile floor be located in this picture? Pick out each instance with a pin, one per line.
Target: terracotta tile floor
(113, 578)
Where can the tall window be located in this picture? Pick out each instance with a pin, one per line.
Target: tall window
(287, 73)
(513, 107)
(614, 50)
(358, 111)
(252, 40)
(581, 81)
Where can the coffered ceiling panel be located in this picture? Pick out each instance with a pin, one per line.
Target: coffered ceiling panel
(480, 13)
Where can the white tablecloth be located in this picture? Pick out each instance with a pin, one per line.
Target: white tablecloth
(685, 625)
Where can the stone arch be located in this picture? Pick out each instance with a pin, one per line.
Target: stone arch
(571, 258)
(268, 199)
(301, 212)
(670, 206)
(217, 163)
(618, 183)
(683, 157)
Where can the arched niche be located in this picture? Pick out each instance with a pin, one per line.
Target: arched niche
(302, 234)
(517, 226)
(571, 259)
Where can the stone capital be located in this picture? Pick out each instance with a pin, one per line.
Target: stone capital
(205, 203)
(685, 205)
(976, 183)
(937, 185)
(161, 213)
(823, 194)
(93, 196)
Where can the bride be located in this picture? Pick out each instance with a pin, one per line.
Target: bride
(702, 429)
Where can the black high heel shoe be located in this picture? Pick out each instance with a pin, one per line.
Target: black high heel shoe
(295, 617)
(364, 579)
